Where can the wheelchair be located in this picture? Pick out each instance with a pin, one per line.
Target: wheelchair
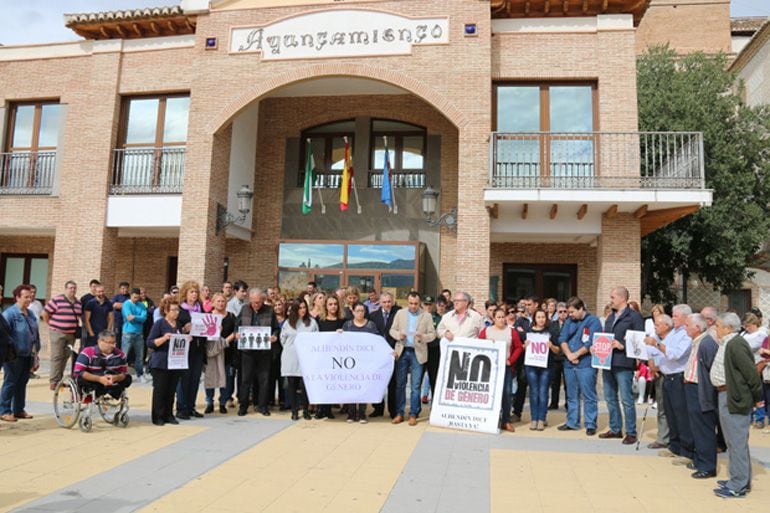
(74, 405)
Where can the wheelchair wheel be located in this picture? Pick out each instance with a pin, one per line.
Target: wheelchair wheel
(109, 409)
(66, 403)
(85, 424)
(122, 420)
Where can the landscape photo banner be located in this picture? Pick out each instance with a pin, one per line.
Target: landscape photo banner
(469, 385)
(344, 368)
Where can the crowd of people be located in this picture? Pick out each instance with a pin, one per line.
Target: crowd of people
(707, 372)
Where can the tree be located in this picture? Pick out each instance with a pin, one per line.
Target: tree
(697, 93)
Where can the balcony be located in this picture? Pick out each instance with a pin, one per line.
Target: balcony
(27, 173)
(597, 160)
(400, 180)
(148, 170)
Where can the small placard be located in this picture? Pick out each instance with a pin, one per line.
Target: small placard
(254, 338)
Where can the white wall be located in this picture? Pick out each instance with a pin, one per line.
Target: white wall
(243, 156)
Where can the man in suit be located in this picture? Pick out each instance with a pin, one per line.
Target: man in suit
(413, 329)
(383, 319)
(701, 397)
(621, 376)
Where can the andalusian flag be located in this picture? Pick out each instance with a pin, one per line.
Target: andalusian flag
(307, 194)
(347, 178)
(386, 195)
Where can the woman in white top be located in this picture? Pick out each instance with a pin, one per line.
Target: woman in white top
(298, 321)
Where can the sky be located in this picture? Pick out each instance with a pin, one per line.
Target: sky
(40, 21)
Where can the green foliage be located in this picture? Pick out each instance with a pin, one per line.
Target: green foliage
(697, 93)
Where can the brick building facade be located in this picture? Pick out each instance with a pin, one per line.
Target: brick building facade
(524, 120)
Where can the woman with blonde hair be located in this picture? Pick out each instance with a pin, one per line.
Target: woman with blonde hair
(318, 305)
(189, 381)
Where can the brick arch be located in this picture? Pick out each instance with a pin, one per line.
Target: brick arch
(329, 69)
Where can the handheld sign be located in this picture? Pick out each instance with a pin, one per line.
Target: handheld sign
(254, 338)
(635, 346)
(178, 349)
(205, 325)
(602, 351)
(537, 350)
(469, 386)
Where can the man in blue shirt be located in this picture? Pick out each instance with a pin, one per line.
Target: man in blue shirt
(673, 352)
(575, 339)
(98, 315)
(134, 315)
(117, 304)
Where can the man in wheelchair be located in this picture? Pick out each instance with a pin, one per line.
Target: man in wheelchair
(103, 367)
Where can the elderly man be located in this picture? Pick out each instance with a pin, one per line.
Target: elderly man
(673, 352)
(63, 314)
(383, 319)
(413, 330)
(620, 376)
(700, 395)
(740, 388)
(255, 364)
(576, 338)
(461, 321)
(662, 327)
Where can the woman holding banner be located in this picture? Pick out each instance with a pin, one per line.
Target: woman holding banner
(331, 319)
(189, 382)
(539, 378)
(500, 332)
(217, 366)
(163, 380)
(359, 322)
(298, 321)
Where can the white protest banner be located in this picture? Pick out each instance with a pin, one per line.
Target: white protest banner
(469, 385)
(348, 367)
(537, 350)
(205, 325)
(254, 338)
(178, 349)
(635, 346)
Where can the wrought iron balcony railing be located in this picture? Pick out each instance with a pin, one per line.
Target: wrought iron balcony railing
(400, 179)
(27, 172)
(148, 170)
(588, 160)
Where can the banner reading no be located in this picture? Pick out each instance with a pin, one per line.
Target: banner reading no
(469, 385)
(344, 367)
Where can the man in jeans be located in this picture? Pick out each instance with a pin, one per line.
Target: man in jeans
(576, 339)
(63, 314)
(412, 329)
(134, 315)
(620, 377)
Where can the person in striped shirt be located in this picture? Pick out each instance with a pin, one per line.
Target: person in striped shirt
(103, 367)
(63, 314)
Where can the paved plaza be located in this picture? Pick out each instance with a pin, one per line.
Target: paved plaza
(231, 464)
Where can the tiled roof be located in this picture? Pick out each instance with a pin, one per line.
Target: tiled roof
(124, 15)
(132, 23)
(746, 25)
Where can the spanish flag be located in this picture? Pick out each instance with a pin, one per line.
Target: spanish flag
(347, 178)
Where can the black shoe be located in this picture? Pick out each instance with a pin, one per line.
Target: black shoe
(306, 415)
(284, 407)
(691, 466)
(702, 474)
(223, 409)
(553, 406)
(158, 422)
(265, 412)
(376, 414)
(171, 420)
(182, 416)
(320, 415)
(610, 434)
(241, 412)
(294, 415)
(590, 431)
(209, 409)
(198, 414)
(565, 427)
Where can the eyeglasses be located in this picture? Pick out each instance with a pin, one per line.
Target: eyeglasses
(562, 311)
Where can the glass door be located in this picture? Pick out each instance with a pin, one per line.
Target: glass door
(541, 280)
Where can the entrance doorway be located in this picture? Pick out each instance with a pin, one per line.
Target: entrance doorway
(543, 280)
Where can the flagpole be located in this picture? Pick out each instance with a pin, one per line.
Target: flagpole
(391, 180)
(353, 183)
(318, 188)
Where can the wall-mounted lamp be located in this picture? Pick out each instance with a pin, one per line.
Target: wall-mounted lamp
(429, 206)
(225, 218)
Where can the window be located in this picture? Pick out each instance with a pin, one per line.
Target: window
(33, 133)
(542, 280)
(546, 129)
(16, 269)
(328, 146)
(150, 157)
(406, 153)
(332, 264)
